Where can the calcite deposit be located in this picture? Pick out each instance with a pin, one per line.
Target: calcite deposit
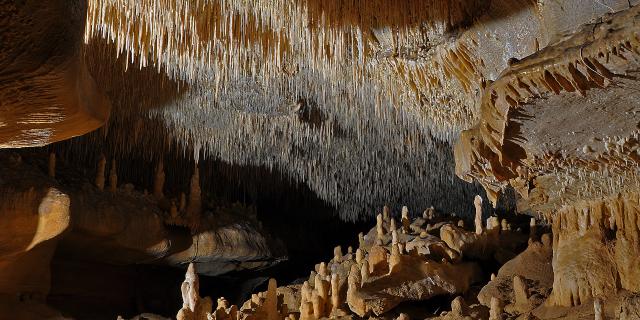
(319, 159)
(381, 277)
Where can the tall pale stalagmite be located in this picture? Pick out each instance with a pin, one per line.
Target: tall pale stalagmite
(495, 310)
(477, 202)
(597, 309)
(190, 289)
(406, 222)
(337, 254)
(521, 296)
(379, 226)
(271, 301)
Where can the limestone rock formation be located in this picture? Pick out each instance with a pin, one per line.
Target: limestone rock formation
(349, 105)
(46, 90)
(34, 213)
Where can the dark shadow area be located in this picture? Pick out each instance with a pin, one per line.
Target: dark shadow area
(86, 285)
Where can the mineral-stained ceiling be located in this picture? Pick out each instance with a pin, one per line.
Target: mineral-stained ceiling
(359, 100)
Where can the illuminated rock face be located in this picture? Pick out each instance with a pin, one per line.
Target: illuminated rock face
(46, 91)
(539, 128)
(561, 128)
(33, 214)
(350, 98)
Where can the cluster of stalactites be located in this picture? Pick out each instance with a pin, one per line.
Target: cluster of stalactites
(285, 49)
(378, 98)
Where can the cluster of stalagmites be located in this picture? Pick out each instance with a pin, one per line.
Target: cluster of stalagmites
(183, 211)
(398, 262)
(403, 262)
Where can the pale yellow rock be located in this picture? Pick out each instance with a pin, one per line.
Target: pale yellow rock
(379, 227)
(477, 202)
(406, 222)
(364, 272)
(495, 310)
(598, 309)
(377, 259)
(359, 256)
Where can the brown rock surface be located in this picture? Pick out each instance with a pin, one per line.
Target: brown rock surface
(46, 91)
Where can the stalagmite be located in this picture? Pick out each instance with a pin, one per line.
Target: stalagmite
(520, 294)
(597, 309)
(158, 181)
(306, 311)
(335, 294)
(322, 287)
(394, 258)
(378, 260)
(323, 271)
(190, 289)
(493, 224)
(318, 304)
(394, 236)
(406, 222)
(495, 310)
(100, 173)
(364, 272)
(429, 214)
(402, 247)
(477, 202)
(271, 301)
(359, 256)
(312, 278)
(360, 240)
(386, 213)
(337, 254)
(379, 226)
(354, 284)
(457, 306)
(255, 299)
(305, 292)
(113, 177)
(392, 224)
(52, 165)
(504, 225)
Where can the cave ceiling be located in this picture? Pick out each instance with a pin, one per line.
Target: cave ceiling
(358, 100)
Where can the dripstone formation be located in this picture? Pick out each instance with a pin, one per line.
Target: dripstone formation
(225, 159)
